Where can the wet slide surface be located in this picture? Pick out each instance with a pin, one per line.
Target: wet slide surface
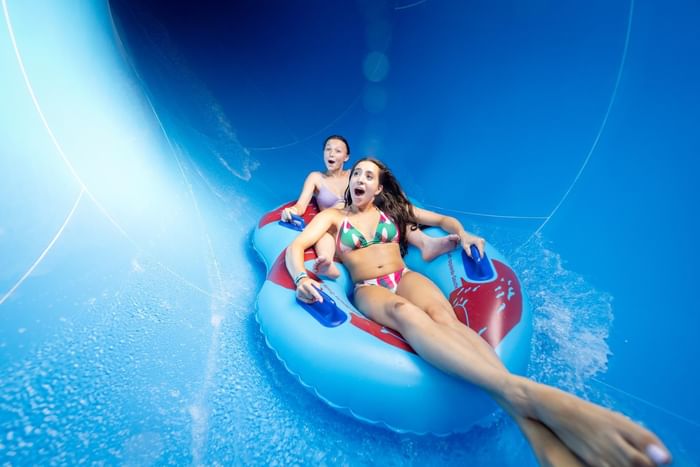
(142, 141)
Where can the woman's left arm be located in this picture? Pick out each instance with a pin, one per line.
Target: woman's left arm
(451, 225)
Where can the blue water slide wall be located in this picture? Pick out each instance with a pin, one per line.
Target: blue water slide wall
(141, 141)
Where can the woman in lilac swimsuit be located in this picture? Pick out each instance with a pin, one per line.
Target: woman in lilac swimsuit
(370, 233)
(328, 188)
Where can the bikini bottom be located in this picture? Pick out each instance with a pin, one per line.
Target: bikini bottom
(388, 281)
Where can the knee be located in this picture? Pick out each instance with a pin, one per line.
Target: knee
(399, 311)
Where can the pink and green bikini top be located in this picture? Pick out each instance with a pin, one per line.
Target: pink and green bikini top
(350, 238)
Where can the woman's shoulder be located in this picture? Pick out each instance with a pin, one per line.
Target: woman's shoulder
(315, 177)
(336, 213)
(329, 217)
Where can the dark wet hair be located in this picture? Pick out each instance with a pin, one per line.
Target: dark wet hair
(340, 138)
(392, 200)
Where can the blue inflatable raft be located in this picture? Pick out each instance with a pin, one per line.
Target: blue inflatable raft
(369, 371)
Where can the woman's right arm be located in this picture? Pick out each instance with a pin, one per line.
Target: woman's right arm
(451, 225)
(304, 198)
(294, 257)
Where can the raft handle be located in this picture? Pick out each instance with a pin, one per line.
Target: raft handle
(297, 223)
(326, 312)
(477, 268)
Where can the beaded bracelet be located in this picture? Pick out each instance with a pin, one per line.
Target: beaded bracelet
(299, 277)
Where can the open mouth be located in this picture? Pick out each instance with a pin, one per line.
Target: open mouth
(358, 191)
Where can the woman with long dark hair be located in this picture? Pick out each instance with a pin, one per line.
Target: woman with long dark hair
(328, 188)
(370, 234)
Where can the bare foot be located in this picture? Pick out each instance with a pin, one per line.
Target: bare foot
(436, 246)
(326, 267)
(595, 434)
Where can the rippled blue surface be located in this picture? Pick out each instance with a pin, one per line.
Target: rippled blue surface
(141, 141)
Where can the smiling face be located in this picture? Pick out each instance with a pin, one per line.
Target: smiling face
(364, 183)
(335, 154)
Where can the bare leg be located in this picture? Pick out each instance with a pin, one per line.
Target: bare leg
(325, 250)
(596, 435)
(549, 450)
(431, 247)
